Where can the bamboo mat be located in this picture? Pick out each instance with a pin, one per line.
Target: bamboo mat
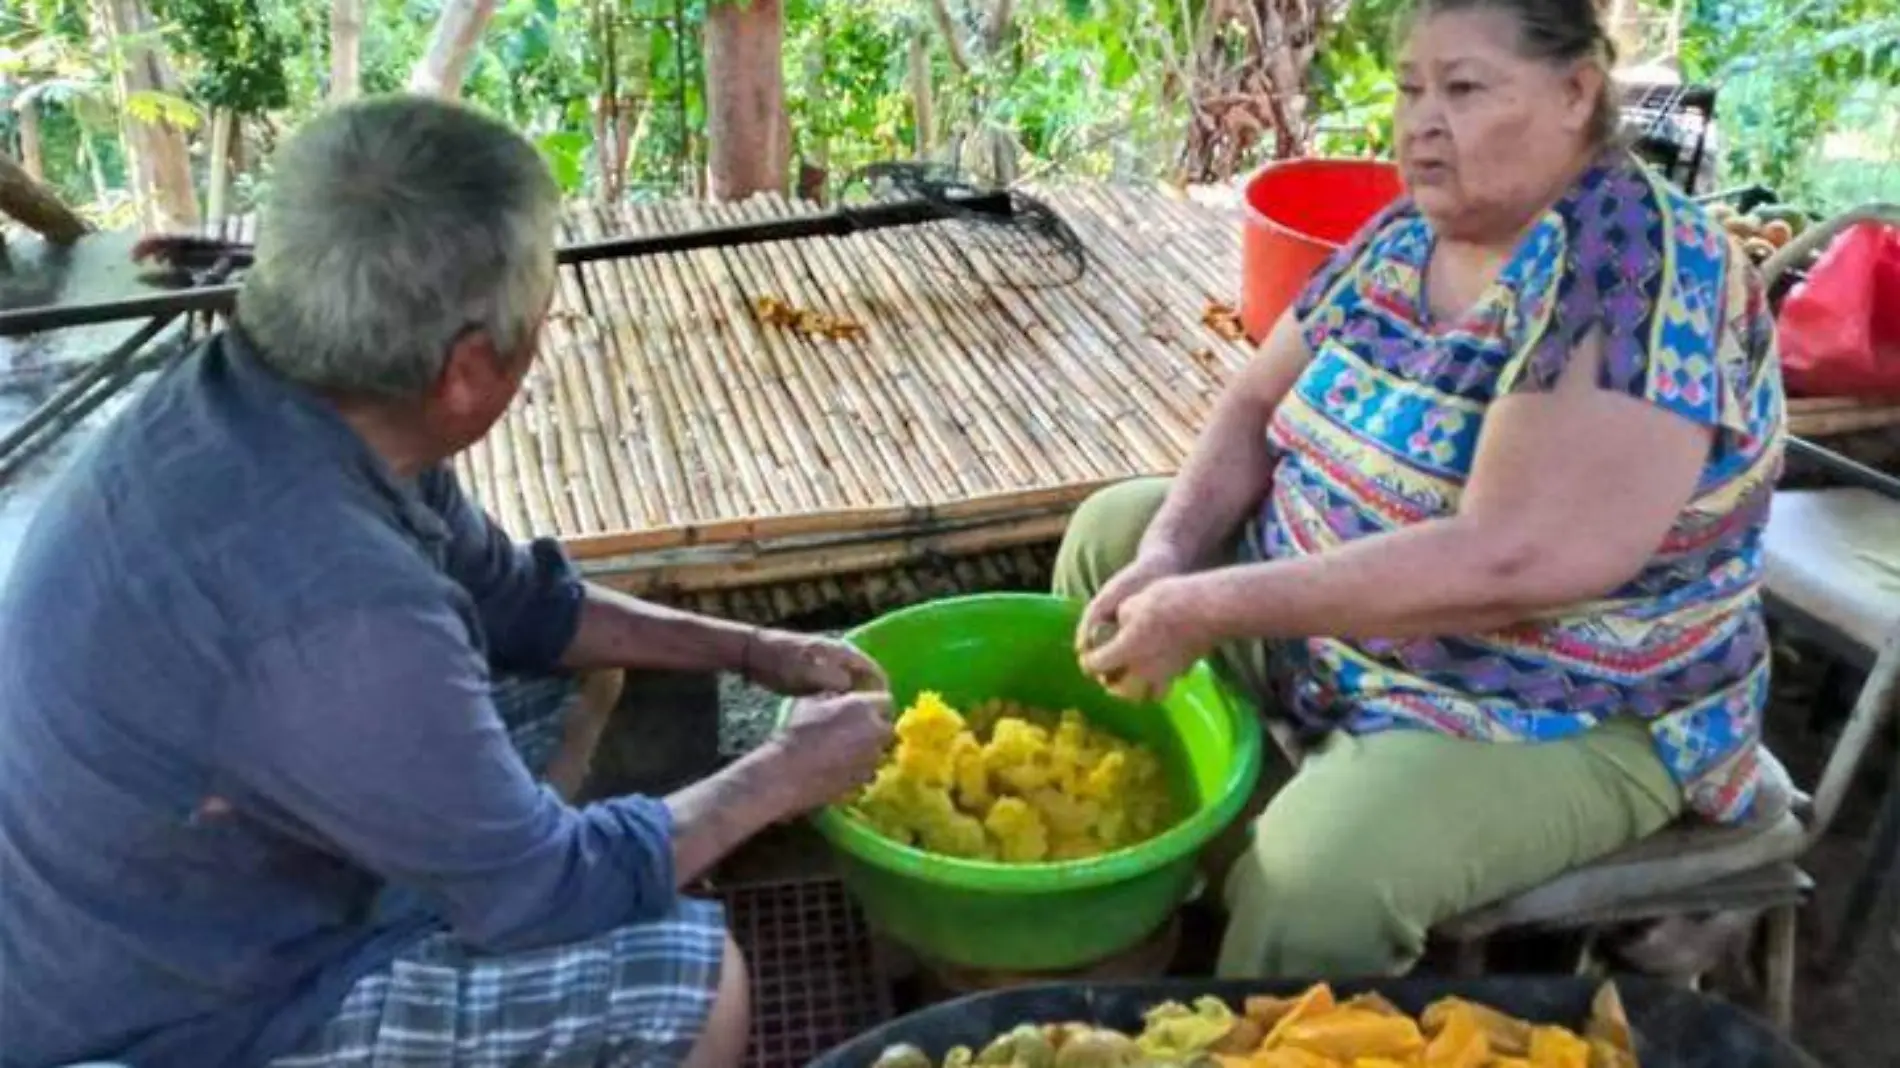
(676, 439)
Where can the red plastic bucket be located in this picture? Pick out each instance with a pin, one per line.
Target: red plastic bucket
(1297, 213)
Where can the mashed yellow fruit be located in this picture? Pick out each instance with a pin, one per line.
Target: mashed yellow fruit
(1013, 784)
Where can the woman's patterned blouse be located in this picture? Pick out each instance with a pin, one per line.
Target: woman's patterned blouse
(1381, 429)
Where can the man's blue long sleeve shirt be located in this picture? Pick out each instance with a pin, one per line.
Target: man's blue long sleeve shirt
(245, 688)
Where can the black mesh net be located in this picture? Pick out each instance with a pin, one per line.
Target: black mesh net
(1021, 240)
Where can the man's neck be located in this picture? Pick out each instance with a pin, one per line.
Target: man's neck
(389, 435)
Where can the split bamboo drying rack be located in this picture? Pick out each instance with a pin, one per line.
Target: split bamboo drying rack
(681, 445)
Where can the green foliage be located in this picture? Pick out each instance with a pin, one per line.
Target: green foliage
(238, 54)
(151, 105)
(1790, 72)
(1353, 88)
(1079, 87)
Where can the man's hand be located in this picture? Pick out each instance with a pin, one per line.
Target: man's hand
(1158, 636)
(830, 746)
(800, 664)
(1103, 615)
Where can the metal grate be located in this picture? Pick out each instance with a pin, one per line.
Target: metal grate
(815, 977)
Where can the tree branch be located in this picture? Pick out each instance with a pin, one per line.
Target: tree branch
(952, 41)
(37, 206)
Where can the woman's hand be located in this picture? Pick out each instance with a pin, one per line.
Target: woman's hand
(797, 665)
(1103, 615)
(1158, 637)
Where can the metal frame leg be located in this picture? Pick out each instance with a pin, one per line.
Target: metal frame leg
(1782, 929)
(1875, 881)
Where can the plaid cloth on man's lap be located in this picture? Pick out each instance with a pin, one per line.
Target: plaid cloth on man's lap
(635, 997)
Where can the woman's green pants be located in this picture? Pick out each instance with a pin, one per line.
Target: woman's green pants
(1375, 839)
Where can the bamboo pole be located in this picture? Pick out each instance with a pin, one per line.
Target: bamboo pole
(896, 518)
(636, 344)
(931, 424)
(1112, 374)
(641, 485)
(995, 333)
(1847, 421)
(700, 450)
(732, 364)
(1070, 357)
(940, 357)
(786, 483)
(872, 470)
(575, 427)
(809, 457)
(799, 566)
(696, 341)
(854, 373)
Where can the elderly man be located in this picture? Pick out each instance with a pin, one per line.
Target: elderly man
(275, 697)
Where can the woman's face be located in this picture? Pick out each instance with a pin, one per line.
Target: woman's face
(1487, 138)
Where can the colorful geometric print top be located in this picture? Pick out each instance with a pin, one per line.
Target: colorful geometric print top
(1381, 429)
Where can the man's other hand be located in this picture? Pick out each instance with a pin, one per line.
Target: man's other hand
(830, 746)
(799, 664)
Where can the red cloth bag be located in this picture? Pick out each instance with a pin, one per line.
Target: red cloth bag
(1839, 331)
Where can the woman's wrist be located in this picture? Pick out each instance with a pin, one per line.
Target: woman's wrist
(1197, 606)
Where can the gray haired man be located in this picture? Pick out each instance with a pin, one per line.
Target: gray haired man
(275, 698)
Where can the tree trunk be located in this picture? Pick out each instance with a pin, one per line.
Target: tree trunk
(160, 162)
(28, 199)
(31, 152)
(922, 102)
(346, 49)
(223, 121)
(749, 143)
(457, 33)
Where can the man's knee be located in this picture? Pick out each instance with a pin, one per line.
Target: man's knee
(1105, 533)
(729, 1025)
(597, 694)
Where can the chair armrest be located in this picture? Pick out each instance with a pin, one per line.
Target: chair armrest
(1852, 472)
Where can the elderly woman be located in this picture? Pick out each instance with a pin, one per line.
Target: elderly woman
(1484, 516)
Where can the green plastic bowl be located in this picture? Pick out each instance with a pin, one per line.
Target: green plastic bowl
(1041, 917)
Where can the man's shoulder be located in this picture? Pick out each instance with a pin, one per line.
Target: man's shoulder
(185, 507)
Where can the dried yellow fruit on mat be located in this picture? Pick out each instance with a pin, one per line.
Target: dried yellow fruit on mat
(1267, 1010)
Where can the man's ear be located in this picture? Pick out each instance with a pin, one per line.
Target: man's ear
(472, 374)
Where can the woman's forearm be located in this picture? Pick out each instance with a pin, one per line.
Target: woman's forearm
(619, 631)
(1440, 577)
(1229, 471)
(1226, 476)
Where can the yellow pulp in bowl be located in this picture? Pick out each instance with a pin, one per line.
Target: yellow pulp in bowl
(1013, 784)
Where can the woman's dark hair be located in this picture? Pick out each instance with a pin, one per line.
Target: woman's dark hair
(1555, 31)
